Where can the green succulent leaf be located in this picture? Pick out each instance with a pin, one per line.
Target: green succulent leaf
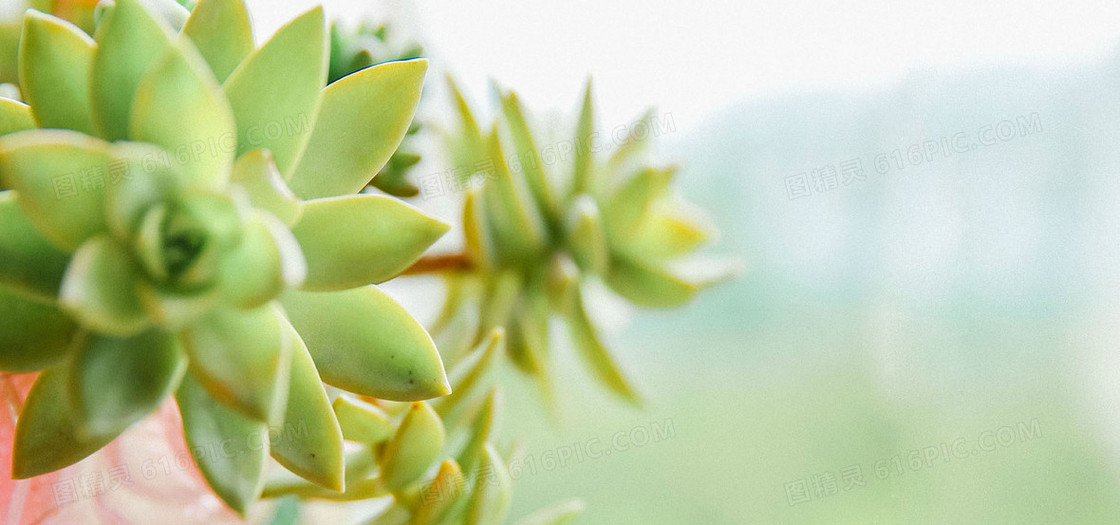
(533, 166)
(528, 341)
(632, 201)
(99, 289)
(243, 358)
(415, 447)
(361, 239)
(468, 376)
(562, 513)
(481, 428)
(596, 354)
(362, 120)
(492, 494)
(267, 261)
(116, 382)
(442, 495)
(364, 342)
(513, 220)
(471, 131)
(666, 234)
(476, 234)
(33, 335)
(586, 239)
(585, 132)
(361, 421)
(14, 116)
(220, 30)
(275, 92)
(649, 286)
(230, 448)
(27, 261)
(256, 172)
(129, 41)
(311, 444)
(54, 70)
(502, 292)
(56, 174)
(179, 107)
(47, 436)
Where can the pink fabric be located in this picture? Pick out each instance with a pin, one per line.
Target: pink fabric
(144, 476)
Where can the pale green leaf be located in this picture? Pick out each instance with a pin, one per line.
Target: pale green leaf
(14, 116)
(311, 441)
(361, 239)
(469, 375)
(28, 263)
(129, 41)
(649, 286)
(220, 30)
(585, 133)
(668, 233)
(47, 437)
(492, 494)
(116, 382)
(33, 335)
(517, 227)
(54, 69)
(362, 120)
(585, 236)
(60, 176)
(632, 201)
(481, 429)
(440, 496)
(275, 92)
(243, 358)
(414, 448)
(595, 354)
(99, 289)
(179, 107)
(231, 449)
(532, 164)
(476, 233)
(360, 421)
(256, 172)
(364, 342)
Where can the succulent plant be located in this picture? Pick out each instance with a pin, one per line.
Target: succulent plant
(362, 47)
(536, 236)
(178, 216)
(436, 460)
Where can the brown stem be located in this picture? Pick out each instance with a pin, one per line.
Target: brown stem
(439, 263)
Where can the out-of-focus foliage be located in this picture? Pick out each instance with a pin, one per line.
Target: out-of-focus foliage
(537, 232)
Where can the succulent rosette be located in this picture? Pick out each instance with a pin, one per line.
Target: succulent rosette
(179, 215)
(538, 231)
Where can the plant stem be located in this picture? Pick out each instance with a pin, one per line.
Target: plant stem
(439, 263)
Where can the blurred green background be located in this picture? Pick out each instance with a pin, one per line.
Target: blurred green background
(962, 303)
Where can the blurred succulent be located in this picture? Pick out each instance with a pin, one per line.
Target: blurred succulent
(177, 215)
(436, 460)
(354, 50)
(533, 239)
